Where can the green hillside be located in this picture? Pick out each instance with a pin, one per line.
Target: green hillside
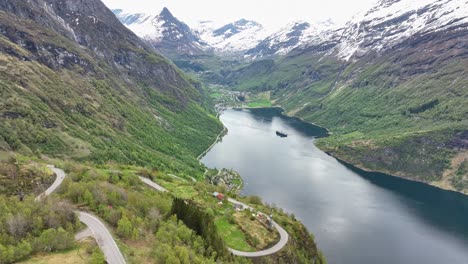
(86, 110)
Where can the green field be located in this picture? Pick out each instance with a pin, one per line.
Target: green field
(232, 235)
(259, 103)
(215, 95)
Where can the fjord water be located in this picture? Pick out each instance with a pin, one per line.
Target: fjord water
(357, 217)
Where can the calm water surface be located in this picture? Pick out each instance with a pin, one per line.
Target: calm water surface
(356, 217)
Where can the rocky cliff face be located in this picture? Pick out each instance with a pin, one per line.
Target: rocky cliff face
(99, 34)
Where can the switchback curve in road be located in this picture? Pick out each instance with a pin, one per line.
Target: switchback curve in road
(96, 228)
(58, 181)
(284, 236)
(103, 237)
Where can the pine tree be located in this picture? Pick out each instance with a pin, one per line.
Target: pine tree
(203, 225)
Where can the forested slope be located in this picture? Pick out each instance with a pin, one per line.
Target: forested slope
(75, 83)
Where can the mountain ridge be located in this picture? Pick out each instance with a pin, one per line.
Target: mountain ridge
(164, 32)
(241, 38)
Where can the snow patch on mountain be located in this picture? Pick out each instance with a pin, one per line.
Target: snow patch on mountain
(390, 22)
(144, 25)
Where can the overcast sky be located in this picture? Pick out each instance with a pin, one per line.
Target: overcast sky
(270, 13)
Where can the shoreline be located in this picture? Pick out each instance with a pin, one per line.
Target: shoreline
(301, 119)
(360, 166)
(363, 168)
(340, 159)
(220, 135)
(283, 112)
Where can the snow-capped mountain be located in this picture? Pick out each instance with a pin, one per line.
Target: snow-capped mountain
(383, 26)
(244, 38)
(390, 22)
(236, 37)
(165, 32)
(386, 24)
(281, 42)
(293, 35)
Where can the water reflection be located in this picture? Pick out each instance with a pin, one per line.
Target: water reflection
(356, 216)
(445, 209)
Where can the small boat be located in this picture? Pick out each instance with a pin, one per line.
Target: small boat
(281, 134)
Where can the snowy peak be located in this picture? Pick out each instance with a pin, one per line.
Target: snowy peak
(171, 28)
(281, 42)
(164, 31)
(235, 37)
(235, 28)
(385, 25)
(203, 27)
(166, 14)
(128, 19)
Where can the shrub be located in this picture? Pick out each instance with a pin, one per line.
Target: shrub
(255, 200)
(124, 227)
(54, 240)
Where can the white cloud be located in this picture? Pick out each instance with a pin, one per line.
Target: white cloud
(267, 12)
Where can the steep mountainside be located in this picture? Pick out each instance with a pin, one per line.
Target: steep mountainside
(391, 86)
(390, 22)
(164, 32)
(76, 83)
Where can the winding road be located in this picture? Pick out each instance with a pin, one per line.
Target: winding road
(96, 227)
(98, 230)
(284, 236)
(152, 184)
(60, 177)
(277, 247)
(103, 237)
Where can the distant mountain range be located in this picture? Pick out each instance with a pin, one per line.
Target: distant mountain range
(243, 38)
(386, 24)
